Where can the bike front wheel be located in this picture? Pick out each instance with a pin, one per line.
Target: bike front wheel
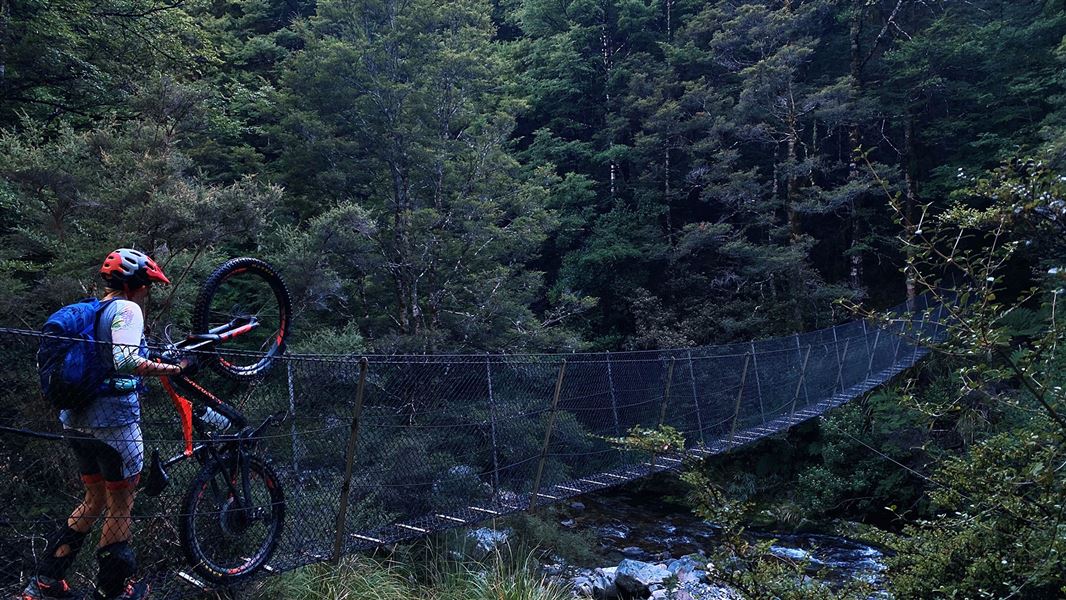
(225, 536)
(244, 290)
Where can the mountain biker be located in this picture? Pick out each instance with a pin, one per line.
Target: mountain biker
(106, 439)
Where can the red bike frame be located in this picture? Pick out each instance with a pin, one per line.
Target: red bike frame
(198, 341)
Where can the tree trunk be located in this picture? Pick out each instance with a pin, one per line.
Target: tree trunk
(5, 14)
(667, 199)
(792, 190)
(855, 273)
(401, 251)
(798, 291)
(775, 191)
(666, 153)
(910, 176)
(605, 48)
(669, 20)
(855, 142)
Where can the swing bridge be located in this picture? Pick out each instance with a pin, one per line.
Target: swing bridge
(377, 449)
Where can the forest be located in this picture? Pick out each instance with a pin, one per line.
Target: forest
(514, 176)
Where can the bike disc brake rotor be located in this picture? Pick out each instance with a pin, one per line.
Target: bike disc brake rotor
(228, 528)
(233, 519)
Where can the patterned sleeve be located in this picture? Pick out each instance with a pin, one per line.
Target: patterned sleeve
(127, 329)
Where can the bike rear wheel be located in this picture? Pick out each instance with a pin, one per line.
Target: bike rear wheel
(227, 538)
(239, 290)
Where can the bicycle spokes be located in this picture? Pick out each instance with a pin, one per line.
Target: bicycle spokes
(234, 518)
(245, 310)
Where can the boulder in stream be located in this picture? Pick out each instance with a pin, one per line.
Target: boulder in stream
(689, 568)
(632, 551)
(636, 579)
(486, 540)
(597, 583)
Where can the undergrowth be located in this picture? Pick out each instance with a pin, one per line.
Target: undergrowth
(444, 576)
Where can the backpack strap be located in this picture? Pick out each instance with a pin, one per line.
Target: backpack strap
(96, 324)
(99, 311)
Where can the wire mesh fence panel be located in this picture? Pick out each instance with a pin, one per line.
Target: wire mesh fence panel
(720, 378)
(580, 443)
(679, 410)
(333, 454)
(308, 453)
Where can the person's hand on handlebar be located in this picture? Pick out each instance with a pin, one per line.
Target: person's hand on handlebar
(187, 363)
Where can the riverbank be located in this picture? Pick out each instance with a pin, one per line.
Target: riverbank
(639, 528)
(630, 542)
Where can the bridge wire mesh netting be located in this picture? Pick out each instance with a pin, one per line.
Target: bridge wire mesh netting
(434, 442)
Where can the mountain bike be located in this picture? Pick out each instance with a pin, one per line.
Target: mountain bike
(233, 512)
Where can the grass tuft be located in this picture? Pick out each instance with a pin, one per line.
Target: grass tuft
(500, 576)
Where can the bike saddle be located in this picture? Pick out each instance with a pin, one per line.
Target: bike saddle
(157, 479)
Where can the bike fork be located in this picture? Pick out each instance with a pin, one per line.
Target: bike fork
(243, 460)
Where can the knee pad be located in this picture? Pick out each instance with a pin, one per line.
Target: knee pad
(65, 536)
(56, 566)
(117, 564)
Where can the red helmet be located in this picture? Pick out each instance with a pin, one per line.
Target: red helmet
(126, 269)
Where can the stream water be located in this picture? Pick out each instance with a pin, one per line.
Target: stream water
(637, 524)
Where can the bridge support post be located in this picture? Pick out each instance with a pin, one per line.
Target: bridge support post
(918, 338)
(840, 365)
(836, 343)
(292, 415)
(873, 353)
(614, 400)
(547, 437)
(866, 338)
(349, 463)
(939, 317)
(492, 422)
(696, 399)
(666, 392)
(801, 360)
(740, 395)
(802, 381)
(899, 340)
(758, 383)
(666, 399)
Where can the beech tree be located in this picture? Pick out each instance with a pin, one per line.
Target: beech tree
(397, 106)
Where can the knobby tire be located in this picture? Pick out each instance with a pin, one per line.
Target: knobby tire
(202, 317)
(254, 558)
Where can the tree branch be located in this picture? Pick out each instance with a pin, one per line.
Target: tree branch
(881, 35)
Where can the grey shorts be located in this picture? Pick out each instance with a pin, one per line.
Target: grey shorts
(114, 455)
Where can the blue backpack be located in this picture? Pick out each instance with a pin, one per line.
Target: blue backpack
(70, 361)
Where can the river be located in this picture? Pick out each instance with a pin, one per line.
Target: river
(634, 523)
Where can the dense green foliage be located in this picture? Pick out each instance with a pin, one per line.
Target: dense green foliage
(515, 175)
(997, 530)
(521, 175)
